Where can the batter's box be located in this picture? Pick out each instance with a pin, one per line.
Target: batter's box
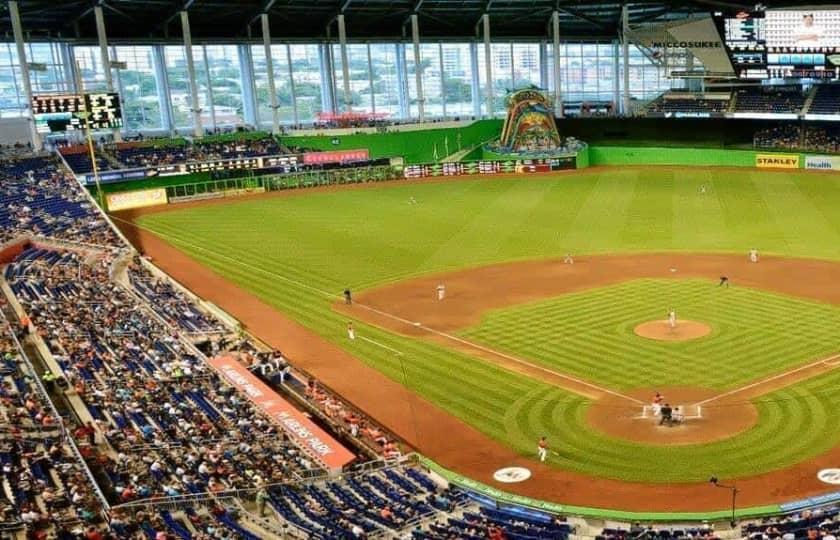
(684, 413)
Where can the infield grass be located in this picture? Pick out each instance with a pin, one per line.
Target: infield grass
(590, 334)
(298, 252)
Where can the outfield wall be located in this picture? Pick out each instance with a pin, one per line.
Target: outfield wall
(641, 155)
(414, 146)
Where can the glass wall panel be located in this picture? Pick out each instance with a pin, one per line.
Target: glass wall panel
(11, 93)
(432, 88)
(457, 79)
(386, 90)
(226, 84)
(502, 74)
(526, 64)
(282, 84)
(55, 77)
(90, 65)
(175, 64)
(138, 88)
(306, 71)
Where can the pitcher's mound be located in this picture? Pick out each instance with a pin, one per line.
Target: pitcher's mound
(660, 330)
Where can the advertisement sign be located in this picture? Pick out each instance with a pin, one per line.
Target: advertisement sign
(777, 161)
(458, 168)
(315, 441)
(135, 199)
(336, 156)
(823, 163)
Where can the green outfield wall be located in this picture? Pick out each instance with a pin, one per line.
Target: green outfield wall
(414, 146)
(643, 155)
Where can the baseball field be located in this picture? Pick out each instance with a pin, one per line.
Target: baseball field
(525, 345)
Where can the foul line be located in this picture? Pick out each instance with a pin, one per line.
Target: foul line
(175, 239)
(499, 353)
(381, 345)
(826, 361)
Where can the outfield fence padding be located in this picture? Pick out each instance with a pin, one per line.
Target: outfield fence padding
(641, 155)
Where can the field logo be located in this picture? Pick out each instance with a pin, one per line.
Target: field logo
(822, 163)
(511, 475)
(777, 161)
(829, 476)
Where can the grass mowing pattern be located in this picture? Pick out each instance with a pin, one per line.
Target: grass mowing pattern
(361, 238)
(590, 334)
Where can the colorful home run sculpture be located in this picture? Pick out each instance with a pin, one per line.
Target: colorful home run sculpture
(529, 126)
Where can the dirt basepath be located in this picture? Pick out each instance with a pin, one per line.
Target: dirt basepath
(460, 447)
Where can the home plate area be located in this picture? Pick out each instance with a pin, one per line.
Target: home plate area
(694, 420)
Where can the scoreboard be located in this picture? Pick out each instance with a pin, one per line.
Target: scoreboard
(68, 112)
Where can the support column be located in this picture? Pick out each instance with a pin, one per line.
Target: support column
(345, 67)
(616, 80)
(209, 83)
(488, 65)
(625, 54)
(558, 81)
(269, 65)
(198, 129)
(17, 29)
(370, 81)
(327, 87)
(106, 56)
(402, 76)
(418, 67)
(475, 87)
(249, 86)
(163, 91)
(442, 81)
(292, 91)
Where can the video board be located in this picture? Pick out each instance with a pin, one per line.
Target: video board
(56, 113)
(782, 43)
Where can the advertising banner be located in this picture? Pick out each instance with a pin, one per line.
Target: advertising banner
(824, 163)
(777, 161)
(315, 441)
(336, 156)
(135, 199)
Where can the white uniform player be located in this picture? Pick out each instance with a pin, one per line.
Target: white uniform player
(754, 255)
(351, 333)
(441, 291)
(672, 319)
(542, 448)
(568, 259)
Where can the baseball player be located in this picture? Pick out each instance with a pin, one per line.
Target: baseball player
(672, 319)
(348, 297)
(412, 200)
(568, 259)
(441, 291)
(542, 449)
(656, 403)
(754, 255)
(724, 281)
(351, 333)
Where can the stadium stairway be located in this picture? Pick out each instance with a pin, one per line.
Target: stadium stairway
(812, 93)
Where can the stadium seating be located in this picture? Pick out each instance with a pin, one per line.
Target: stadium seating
(39, 199)
(826, 100)
(779, 100)
(665, 104)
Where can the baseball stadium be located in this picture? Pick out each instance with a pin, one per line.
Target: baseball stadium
(419, 269)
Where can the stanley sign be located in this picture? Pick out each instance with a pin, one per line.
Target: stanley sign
(777, 161)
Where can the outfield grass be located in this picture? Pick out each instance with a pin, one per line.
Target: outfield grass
(362, 238)
(590, 334)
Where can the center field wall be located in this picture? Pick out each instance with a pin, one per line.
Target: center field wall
(642, 155)
(414, 146)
